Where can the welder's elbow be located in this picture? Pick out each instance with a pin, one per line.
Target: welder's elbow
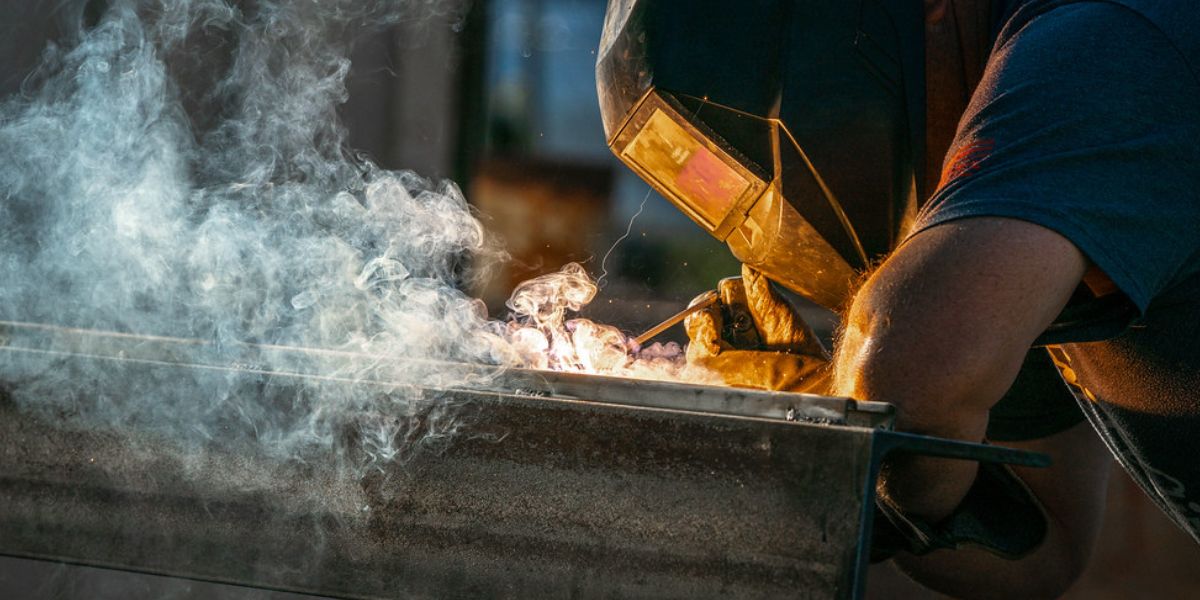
(1060, 582)
(920, 357)
(981, 576)
(1047, 578)
(881, 360)
(1064, 557)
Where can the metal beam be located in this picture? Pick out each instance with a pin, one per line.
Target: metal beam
(538, 493)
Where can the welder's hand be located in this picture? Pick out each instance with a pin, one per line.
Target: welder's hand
(754, 338)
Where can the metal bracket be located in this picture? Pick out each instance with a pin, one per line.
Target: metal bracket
(885, 442)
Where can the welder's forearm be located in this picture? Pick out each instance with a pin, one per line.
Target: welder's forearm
(938, 384)
(927, 402)
(940, 331)
(938, 389)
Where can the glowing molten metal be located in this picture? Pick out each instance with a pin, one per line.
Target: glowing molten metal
(542, 336)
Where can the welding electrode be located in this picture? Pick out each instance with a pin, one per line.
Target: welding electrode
(700, 304)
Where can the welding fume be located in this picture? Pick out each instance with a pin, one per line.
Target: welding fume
(180, 169)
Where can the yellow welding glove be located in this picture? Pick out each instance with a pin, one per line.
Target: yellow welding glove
(754, 338)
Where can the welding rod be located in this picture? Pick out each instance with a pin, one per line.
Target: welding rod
(700, 304)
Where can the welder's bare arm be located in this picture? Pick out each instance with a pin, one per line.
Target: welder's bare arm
(940, 331)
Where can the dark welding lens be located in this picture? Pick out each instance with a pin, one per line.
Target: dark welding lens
(689, 172)
(686, 166)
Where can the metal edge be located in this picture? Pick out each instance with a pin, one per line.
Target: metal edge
(884, 442)
(899, 441)
(359, 368)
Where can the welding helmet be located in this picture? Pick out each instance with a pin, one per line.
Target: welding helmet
(792, 130)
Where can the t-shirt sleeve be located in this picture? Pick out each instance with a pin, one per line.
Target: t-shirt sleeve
(1087, 122)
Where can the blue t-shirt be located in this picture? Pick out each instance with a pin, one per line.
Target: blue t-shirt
(1087, 122)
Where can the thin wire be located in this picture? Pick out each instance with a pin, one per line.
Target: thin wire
(641, 207)
(628, 229)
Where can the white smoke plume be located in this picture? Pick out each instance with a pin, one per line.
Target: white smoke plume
(542, 334)
(227, 208)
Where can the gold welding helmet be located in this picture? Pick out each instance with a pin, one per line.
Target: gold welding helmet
(792, 130)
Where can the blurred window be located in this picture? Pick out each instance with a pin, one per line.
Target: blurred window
(540, 75)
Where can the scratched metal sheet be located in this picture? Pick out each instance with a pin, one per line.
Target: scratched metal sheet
(544, 494)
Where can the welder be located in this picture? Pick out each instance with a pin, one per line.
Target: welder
(999, 196)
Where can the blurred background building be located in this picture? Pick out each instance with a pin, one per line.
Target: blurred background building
(500, 96)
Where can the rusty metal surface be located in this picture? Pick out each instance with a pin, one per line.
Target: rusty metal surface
(533, 496)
